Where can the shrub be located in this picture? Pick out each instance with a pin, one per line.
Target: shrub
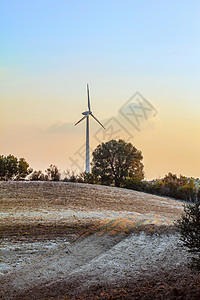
(81, 178)
(189, 226)
(53, 173)
(70, 176)
(135, 184)
(38, 176)
(86, 178)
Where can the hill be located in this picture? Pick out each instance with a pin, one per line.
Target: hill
(85, 241)
(59, 202)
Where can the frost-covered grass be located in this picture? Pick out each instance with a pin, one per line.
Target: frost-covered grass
(116, 249)
(92, 259)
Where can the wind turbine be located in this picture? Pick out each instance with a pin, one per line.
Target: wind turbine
(86, 116)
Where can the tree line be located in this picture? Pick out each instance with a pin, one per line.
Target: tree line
(115, 163)
(171, 185)
(12, 168)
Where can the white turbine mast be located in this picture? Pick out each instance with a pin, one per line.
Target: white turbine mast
(86, 116)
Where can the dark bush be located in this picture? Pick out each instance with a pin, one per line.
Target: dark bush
(53, 173)
(38, 176)
(189, 226)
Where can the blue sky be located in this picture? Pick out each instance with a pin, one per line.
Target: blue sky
(50, 49)
(150, 36)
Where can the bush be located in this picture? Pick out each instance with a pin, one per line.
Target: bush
(38, 176)
(71, 176)
(53, 173)
(86, 178)
(189, 226)
(81, 178)
(135, 184)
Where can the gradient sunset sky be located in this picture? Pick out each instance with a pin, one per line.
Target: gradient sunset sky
(51, 49)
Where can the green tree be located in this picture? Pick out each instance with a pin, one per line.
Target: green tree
(53, 173)
(12, 168)
(114, 161)
(23, 169)
(189, 226)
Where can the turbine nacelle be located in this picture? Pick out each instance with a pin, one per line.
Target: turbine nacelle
(87, 113)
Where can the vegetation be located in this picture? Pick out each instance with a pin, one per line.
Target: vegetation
(81, 178)
(178, 187)
(12, 168)
(114, 161)
(38, 176)
(53, 173)
(189, 226)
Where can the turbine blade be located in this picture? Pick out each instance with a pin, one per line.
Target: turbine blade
(80, 120)
(88, 96)
(97, 121)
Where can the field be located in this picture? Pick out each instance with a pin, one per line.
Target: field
(78, 241)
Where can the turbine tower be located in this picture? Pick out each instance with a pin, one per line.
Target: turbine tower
(86, 116)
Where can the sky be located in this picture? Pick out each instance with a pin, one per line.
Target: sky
(51, 49)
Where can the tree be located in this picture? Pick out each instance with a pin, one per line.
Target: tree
(12, 168)
(53, 173)
(189, 226)
(2, 168)
(114, 161)
(23, 169)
